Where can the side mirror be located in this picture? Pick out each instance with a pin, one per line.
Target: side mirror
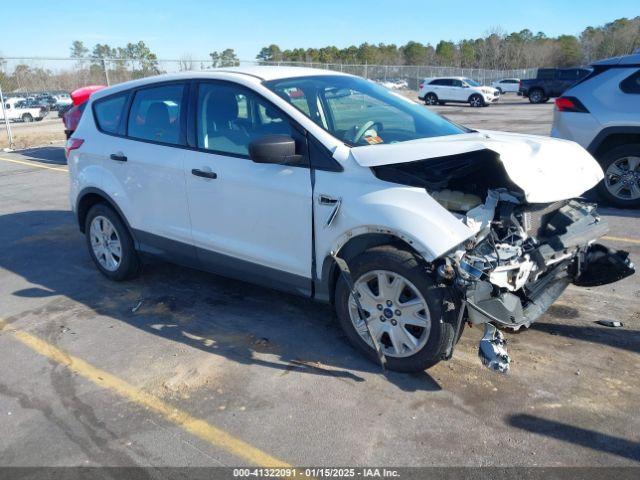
(278, 149)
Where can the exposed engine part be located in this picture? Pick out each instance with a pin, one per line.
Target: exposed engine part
(520, 261)
(493, 350)
(456, 200)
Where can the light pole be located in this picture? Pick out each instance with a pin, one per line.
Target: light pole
(6, 119)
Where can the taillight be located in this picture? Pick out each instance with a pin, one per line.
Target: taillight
(570, 104)
(421, 85)
(72, 144)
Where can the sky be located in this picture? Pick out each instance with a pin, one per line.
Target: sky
(173, 29)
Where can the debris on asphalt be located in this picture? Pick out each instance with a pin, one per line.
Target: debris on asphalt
(610, 323)
(137, 306)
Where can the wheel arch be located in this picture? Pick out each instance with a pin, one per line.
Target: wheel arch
(91, 196)
(612, 137)
(352, 248)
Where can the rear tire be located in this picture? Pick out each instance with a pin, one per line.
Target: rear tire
(431, 341)
(621, 184)
(537, 96)
(110, 244)
(27, 118)
(430, 98)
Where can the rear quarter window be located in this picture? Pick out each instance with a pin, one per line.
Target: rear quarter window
(631, 84)
(108, 112)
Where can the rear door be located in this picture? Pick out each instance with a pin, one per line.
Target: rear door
(250, 221)
(145, 158)
(436, 86)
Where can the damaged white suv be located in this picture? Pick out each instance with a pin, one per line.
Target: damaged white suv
(326, 185)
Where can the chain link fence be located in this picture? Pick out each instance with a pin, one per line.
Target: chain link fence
(32, 75)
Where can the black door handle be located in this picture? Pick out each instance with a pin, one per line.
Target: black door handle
(202, 173)
(117, 157)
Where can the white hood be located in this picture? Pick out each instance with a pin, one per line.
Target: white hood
(546, 169)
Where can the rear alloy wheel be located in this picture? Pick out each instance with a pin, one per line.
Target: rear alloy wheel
(403, 307)
(476, 100)
(27, 118)
(110, 244)
(536, 96)
(621, 184)
(430, 99)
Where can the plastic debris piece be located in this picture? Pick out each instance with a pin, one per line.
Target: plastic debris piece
(610, 323)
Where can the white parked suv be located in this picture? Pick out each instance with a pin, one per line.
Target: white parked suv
(441, 90)
(332, 187)
(602, 113)
(507, 85)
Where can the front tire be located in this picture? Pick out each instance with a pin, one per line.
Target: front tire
(476, 100)
(403, 307)
(27, 118)
(110, 244)
(621, 184)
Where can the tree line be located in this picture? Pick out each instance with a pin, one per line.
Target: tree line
(497, 50)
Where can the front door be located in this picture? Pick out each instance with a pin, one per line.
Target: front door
(458, 92)
(249, 221)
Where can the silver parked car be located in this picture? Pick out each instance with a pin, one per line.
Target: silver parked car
(602, 113)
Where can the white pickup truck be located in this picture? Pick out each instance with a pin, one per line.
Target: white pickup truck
(15, 110)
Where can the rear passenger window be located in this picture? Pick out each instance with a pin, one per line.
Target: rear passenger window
(155, 114)
(631, 84)
(108, 112)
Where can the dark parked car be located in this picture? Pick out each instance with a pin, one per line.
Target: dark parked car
(62, 109)
(550, 83)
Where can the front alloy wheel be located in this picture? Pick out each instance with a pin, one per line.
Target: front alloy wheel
(397, 313)
(403, 307)
(476, 101)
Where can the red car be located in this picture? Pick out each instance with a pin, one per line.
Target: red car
(71, 117)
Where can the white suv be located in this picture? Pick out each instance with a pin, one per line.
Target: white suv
(456, 89)
(602, 113)
(325, 184)
(507, 85)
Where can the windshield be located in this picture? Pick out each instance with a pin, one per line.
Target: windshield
(359, 112)
(471, 82)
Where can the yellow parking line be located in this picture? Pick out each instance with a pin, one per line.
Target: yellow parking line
(33, 164)
(622, 239)
(200, 428)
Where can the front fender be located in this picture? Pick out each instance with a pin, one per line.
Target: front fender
(409, 214)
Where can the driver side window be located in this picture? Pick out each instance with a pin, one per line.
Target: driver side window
(229, 117)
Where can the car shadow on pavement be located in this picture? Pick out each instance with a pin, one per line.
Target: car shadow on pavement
(622, 338)
(576, 435)
(47, 155)
(242, 322)
(619, 212)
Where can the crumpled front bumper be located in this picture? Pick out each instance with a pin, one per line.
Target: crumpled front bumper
(597, 265)
(567, 254)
